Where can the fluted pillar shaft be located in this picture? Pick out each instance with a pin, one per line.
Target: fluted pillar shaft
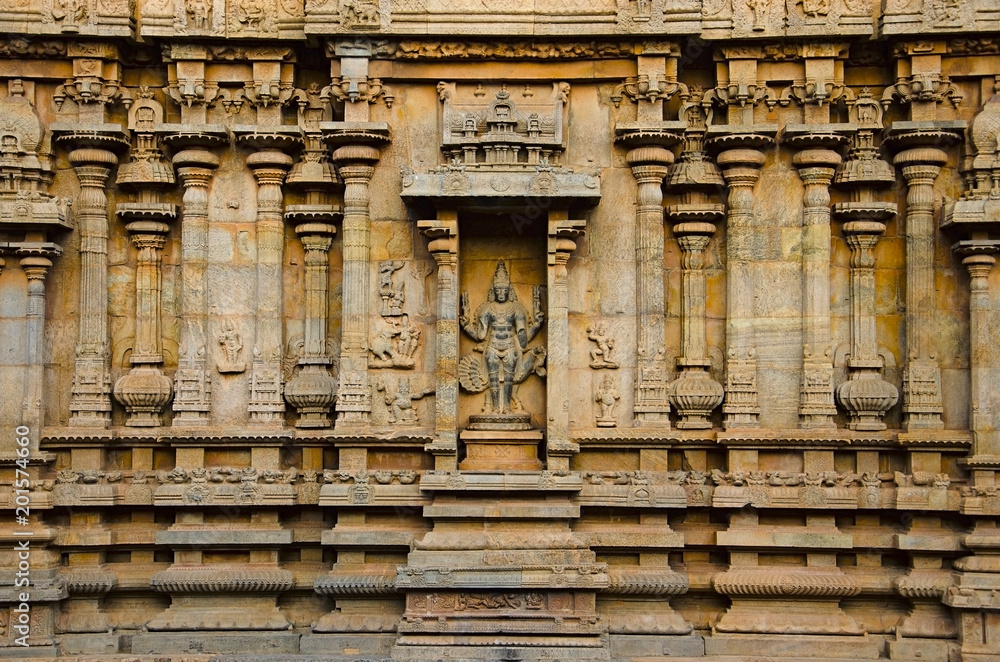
(649, 167)
(149, 237)
(269, 167)
(316, 241)
(741, 169)
(192, 401)
(90, 402)
(922, 404)
(356, 166)
(693, 239)
(816, 168)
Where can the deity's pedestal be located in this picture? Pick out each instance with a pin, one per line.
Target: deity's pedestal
(491, 582)
(487, 450)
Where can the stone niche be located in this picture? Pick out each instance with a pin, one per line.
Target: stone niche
(499, 430)
(483, 246)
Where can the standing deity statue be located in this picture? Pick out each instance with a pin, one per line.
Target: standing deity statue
(503, 327)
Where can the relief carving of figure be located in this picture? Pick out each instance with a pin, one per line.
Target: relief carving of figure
(392, 295)
(400, 401)
(251, 14)
(394, 343)
(357, 13)
(607, 399)
(600, 357)
(503, 327)
(232, 345)
(814, 8)
(199, 12)
(759, 8)
(71, 12)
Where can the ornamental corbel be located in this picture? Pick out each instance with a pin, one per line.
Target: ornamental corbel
(191, 92)
(812, 91)
(922, 87)
(265, 92)
(91, 89)
(232, 102)
(641, 87)
(358, 88)
(741, 93)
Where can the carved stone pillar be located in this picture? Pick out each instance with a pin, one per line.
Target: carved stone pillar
(979, 256)
(90, 402)
(561, 242)
(816, 168)
(442, 234)
(694, 394)
(649, 166)
(269, 166)
(922, 377)
(36, 267)
(145, 390)
(192, 383)
(740, 161)
(866, 395)
(311, 391)
(356, 165)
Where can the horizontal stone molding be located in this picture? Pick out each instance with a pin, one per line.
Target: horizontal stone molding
(787, 582)
(646, 582)
(221, 579)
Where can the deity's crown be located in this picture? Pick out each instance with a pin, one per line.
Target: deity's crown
(500, 277)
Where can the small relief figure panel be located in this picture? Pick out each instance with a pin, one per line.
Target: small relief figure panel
(502, 347)
(604, 345)
(607, 398)
(391, 293)
(200, 17)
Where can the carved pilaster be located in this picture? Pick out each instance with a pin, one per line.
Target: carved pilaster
(36, 267)
(192, 383)
(312, 391)
(562, 235)
(90, 402)
(269, 166)
(866, 396)
(740, 161)
(694, 394)
(145, 390)
(649, 166)
(816, 168)
(979, 256)
(442, 235)
(356, 164)
(922, 377)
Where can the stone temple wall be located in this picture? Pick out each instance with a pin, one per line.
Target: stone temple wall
(500, 330)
